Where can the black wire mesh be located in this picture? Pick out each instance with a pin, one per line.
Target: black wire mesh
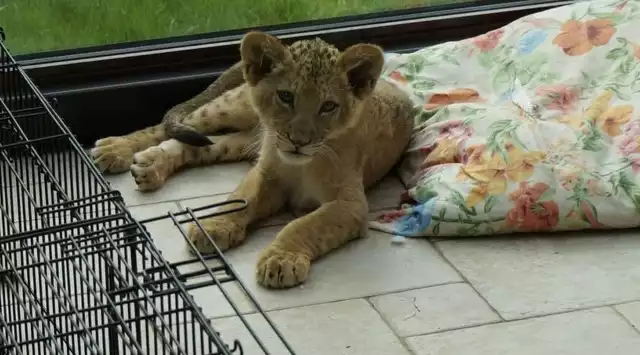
(78, 274)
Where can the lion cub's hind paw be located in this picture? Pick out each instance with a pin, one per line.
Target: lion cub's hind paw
(282, 269)
(112, 155)
(150, 168)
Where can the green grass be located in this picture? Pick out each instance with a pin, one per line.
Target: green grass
(42, 25)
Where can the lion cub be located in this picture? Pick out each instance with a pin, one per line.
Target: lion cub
(323, 129)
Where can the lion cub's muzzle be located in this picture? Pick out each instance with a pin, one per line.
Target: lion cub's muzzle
(296, 150)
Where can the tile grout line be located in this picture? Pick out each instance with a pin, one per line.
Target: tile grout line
(573, 310)
(463, 327)
(336, 301)
(277, 309)
(416, 288)
(515, 320)
(362, 296)
(402, 340)
(625, 319)
(367, 298)
(439, 251)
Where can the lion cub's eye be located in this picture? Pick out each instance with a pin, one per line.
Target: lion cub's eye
(286, 97)
(328, 107)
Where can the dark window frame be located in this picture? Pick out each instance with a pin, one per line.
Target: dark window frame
(111, 90)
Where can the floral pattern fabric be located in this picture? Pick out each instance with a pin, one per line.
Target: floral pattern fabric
(528, 128)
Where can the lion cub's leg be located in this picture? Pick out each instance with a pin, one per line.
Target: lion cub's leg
(264, 197)
(230, 111)
(153, 166)
(115, 154)
(287, 261)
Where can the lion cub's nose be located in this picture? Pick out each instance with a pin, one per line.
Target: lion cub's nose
(299, 141)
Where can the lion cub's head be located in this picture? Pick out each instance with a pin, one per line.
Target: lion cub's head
(308, 92)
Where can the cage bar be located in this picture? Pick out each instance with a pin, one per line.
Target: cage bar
(78, 274)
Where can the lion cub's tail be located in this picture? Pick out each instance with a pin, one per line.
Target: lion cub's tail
(173, 119)
(186, 134)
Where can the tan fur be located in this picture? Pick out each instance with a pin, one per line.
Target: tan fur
(340, 152)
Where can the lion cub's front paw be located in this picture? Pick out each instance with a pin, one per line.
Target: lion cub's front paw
(150, 168)
(282, 269)
(224, 232)
(112, 154)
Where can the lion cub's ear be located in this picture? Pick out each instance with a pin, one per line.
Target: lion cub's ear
(261, 53)
(363, 64)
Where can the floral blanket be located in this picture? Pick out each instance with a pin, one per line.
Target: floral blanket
(532, 127)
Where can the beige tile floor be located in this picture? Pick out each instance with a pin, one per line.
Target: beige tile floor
(571, 294)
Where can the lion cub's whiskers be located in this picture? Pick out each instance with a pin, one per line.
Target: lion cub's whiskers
(328, 152)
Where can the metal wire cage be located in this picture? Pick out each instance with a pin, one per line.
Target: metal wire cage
(78, 274)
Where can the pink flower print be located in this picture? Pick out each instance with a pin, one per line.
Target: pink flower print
(635, 165)
(562, 97)
(595, 188)
(629, 145)
(455, 130)
(488, 41)
(630, 141)
(621, 6)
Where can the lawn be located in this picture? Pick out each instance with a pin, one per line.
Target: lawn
(41, 25)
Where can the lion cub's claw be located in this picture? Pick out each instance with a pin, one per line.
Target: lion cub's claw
(150, 168)
(112, 155)
(224, 232)
(282, 269)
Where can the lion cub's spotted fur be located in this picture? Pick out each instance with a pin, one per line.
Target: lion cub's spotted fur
(323, 129)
